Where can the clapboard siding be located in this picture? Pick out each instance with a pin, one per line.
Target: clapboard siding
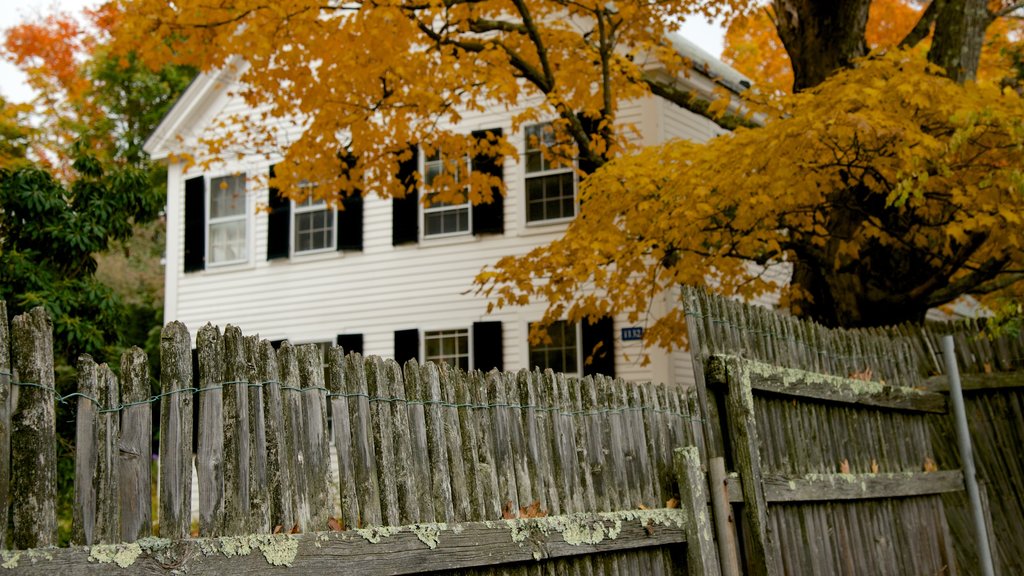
(384, 288)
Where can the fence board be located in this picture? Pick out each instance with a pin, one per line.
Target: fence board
(404, 469)
(260, 506)
(294, 435)
(5, 423)
(703, 556)
(135, 447)
(314, 439)
(406, 550)
(108, 517)
(383, 440)
(83, 523)
(363, 448)
(342, 429)
(210, 440)
(33, 471)
(279, 470)
(175, 431)
(237, 519)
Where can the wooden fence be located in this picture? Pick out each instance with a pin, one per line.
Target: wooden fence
(439, 469)
(992, 378)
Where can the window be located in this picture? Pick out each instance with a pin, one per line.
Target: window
(313, 226)
(228, 235)
(550, 187)
(447, 346)
(443, 218)
(560, 354)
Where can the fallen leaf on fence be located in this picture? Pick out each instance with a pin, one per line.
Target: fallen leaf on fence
(277, 529)
(844, 466)
(295, 529)
(988, 368)
(672, 503)
(930, 465)
(641, 506)
(508, 511)
(874, 466)
(335, 525)
(532, 511)
(862, 375)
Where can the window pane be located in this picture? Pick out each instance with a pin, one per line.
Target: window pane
(560, 355)
(447, 346)
(227, 241)
(227, 196)
(314, 227)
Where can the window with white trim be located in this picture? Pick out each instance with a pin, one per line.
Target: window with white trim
(447, 346)
(228, 221)
(313, 226)
(550, 187)
(560, 352)
(444, 218)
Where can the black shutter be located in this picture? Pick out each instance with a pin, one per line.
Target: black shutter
(279, 224)
(489, 218)
(407, 345)
(602, 359)
(350, 223)
(405, 211)
(195, 224)
(487, 349)
(351, 343)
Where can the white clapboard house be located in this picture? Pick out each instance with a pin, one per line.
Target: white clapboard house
(392, 277)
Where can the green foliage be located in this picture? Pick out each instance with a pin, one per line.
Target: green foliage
(49, 234)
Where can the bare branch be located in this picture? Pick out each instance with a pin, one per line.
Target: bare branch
(923, 26)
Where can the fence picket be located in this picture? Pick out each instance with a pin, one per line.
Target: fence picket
(440, 390)
(108, 517)
(83, 524)
(235, 394)
(314, 439)
(279, 471)
(33, 471)
(5, 423)
(175, 431)
(260, 507)
(210, 440)
(364, 451)
(383, 440)
(342, 430)
(135, 447)
(293, 446)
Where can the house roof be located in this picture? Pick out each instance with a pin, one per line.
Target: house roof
(198, 98)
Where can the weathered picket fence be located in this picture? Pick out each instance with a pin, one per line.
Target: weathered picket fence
(439, 469)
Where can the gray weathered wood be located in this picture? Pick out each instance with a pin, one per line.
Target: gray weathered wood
(316, 446)
(419, 453)
(33, 471)
(441, 390)
(135, 447)
(725, 527)
(746, 444)
(440, 494)
(83, 523)
(404, 468)
(210, 450)
(260, 506)
(702, 556)
(383, 439)
(5, 422)
(428, 548)
(108, 517)
(983, 381)
(363, 448)
(279, 470)
(342, 430)
(294, 434)
(175, 431)
(833, 487)
(802, 384)
(237, 517)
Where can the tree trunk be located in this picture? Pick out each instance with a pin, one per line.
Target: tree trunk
(821, 37)
(959, 34)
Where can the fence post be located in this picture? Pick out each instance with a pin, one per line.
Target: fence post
(702, 557)
(34, 465)
(175, 432)
(135, 447)
(315, 438)
(5, 422)
(83, 523)
(210, 443)
(279, 472)
(237, 452)
(259, 481)
(745, 443)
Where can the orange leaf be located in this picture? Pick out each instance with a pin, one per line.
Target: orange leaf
(532, 511)
(930, 465)
(295, 529)
(507, 511)
(844, 466)
(874, 466)
(672, 503)
(277, 529)
(334, 525)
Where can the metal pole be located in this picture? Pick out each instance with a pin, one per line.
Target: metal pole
(963, 436)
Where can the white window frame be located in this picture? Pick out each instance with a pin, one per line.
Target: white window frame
(426, 210)
(451, 332)
(211, 221)
(545, 172)
(577, 329)
(302, 208)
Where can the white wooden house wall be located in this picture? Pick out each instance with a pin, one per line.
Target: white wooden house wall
(382, 288)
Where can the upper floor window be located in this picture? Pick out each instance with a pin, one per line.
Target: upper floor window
(447, 346)
(313, 226)
(550, 186)
(228, 220)
(444, 218)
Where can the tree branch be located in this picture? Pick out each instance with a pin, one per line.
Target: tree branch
(923, 26)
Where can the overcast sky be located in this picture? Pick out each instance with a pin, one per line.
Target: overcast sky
(12, 81)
